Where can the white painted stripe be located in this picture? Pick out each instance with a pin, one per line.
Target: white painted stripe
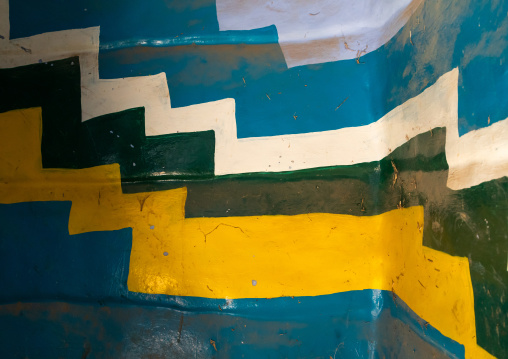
(435, 107)
(98, 96)
(476, 157)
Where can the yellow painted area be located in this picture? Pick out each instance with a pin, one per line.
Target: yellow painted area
(302, 255)
(98, 203)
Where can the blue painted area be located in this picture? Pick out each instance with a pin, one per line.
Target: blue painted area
(41, 266)
(340, 326)
(481, 54)
(265, 35)
(40, 260)
(120, 20)
(480, 72)
(271, 96)
(390, 76)
(131, 22)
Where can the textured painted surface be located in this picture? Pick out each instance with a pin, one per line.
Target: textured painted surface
(371, 189)
(411, 67)
(158, 224)
(320, 31)
(115, 138)
(271, 330)
(42, 258)
(469, 156)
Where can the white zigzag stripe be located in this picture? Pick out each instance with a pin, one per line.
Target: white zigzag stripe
(476, 157)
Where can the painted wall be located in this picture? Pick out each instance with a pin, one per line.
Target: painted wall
(232, 179)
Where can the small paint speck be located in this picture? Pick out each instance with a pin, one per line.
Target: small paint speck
(40, 61)
(165, 254)
(152, 227)
(132, 145)
(110, 131)
(72, 63)
(118, 136)
(254, 282)
(51, 64)
(134, 164)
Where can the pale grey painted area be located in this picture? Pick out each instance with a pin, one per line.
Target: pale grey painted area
(320, 31)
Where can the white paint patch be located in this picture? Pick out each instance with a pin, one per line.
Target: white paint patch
(476, 157)
(319, 31)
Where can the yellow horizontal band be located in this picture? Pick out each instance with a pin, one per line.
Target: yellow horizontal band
(245, 257)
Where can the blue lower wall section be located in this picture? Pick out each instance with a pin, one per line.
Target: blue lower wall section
(334, 326)
(66, 296)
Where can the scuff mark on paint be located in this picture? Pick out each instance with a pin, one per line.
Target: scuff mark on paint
(222, 224)
(180, 328)
(86, 351)
(359, 54)
(395, 174)
(25, 49)
(142, 202)
(362, 205)
(342, 103)
(213, 344)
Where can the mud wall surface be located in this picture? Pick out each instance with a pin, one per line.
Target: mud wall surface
(225, 179)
